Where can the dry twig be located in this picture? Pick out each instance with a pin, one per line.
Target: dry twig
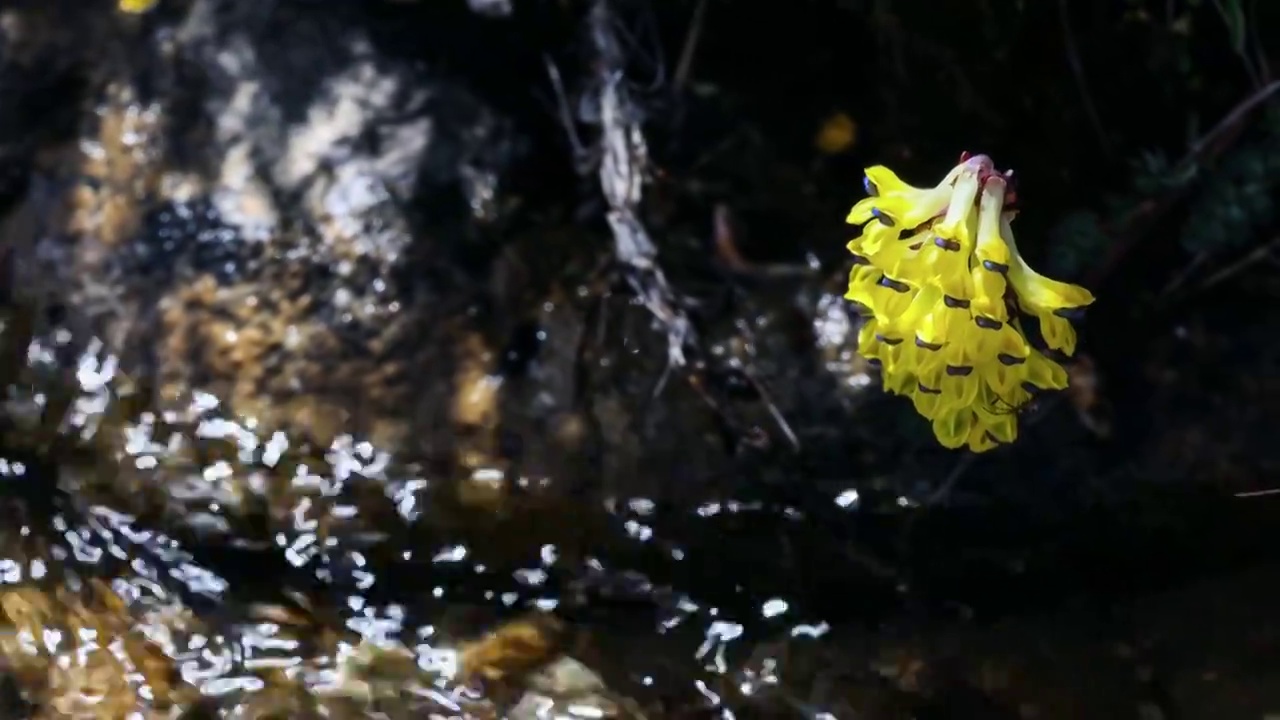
(622, 172)
(623, 164)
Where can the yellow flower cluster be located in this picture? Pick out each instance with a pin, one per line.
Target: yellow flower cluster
(946, 295)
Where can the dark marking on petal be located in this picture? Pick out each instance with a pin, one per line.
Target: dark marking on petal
(945, 244)
(1031, 388)
(894, 285)
(883, 218)
(992, 438)
(874, 362)
(927, 345)
(927, 390)
(916, 246)
(955, 303)
(1010, 360)
(1056, 355)
(888, 340)
(861, 260)
(959, 370)
(995, 267)
(1071, 313)
(870, 187)
(987, 323)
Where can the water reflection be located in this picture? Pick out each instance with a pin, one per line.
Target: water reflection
(391, 559)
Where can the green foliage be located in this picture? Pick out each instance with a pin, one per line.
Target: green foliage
(1236, 202)
(1229, 205)
(1075, 241)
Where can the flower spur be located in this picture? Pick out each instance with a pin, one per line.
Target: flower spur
(946, 294)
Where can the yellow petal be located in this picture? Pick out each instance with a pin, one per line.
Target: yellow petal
(1002, 369)
(861, 211)
(955, 225)
(991, 248)
(863, 273)
(902, 356)
(875, 342)
(979, 441)
(915, 319)
(884, 181)
(1057, 332)
(925, 399)
(862, 285)
(900, 204)
(942, 263)
(900, 380)
(960, 386)
(887, 298)
(952, 429)
(1001, 423)
(1044, 373)
(988, 294)
(901, 257)
(868, 346)
(1036, 292)
(876, 237)
(977, 340)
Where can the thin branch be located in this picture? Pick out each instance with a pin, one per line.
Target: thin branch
(685, 65)
(580, 153)
(1258, 255)
(1131, 228)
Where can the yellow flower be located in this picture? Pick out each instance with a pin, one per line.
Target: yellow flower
(946, 291)
(136, 6)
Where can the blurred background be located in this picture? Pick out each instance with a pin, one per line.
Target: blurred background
(430, 358)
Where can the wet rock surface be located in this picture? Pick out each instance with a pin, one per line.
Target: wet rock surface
(396, 358)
